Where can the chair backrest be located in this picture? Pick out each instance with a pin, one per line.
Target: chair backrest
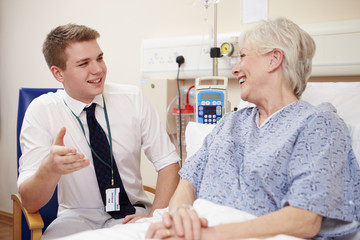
(49, 211)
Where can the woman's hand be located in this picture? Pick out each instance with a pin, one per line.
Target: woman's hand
(182, 223)
(159, 231)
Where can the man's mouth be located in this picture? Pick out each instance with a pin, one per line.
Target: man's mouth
(242, 80)
(94, 81)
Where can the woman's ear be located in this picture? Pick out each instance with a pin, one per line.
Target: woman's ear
(57, 73)
(276, 59)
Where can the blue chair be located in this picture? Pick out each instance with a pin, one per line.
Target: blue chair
(26, 225)
(32, 225)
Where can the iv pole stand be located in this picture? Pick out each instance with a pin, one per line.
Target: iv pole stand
(215, 57)
(215, 52)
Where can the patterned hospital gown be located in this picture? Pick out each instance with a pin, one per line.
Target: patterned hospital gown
(301, 156)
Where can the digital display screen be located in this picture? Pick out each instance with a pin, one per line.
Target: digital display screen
(210, 110)
(210, 96)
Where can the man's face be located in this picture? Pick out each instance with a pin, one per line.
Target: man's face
(85, 72)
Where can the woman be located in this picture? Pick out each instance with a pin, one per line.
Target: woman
(284, 160)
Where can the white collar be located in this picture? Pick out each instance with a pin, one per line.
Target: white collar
(77, 107)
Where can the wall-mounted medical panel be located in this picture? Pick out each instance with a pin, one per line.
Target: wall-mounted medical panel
(159, 55)
(337, 54)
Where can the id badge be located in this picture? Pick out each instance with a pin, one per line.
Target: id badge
(112, 199)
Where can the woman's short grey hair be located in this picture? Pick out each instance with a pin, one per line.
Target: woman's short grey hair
(298, 47)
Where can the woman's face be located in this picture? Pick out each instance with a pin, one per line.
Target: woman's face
(250, 73)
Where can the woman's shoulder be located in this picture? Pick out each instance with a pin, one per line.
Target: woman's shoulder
(324, 115)
(325, 110)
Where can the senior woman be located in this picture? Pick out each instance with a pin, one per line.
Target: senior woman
(284, 160)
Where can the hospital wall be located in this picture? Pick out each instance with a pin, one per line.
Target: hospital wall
(123, 25)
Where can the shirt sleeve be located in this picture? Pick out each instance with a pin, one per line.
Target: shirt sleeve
(155, 141)
(320, 170)
(35, 141)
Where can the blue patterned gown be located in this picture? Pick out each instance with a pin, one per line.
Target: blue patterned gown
(301, 156)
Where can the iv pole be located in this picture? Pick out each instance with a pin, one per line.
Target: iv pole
(215, 58)
(215, 51)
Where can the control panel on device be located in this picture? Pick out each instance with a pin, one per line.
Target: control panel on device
(211, 99)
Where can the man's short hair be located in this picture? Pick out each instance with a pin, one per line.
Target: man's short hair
(60, 38)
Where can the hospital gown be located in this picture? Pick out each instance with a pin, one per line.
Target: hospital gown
(301, 156)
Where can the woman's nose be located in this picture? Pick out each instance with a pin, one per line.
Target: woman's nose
(235, 71)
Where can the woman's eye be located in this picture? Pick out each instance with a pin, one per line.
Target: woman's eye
(242, 55)
(82, 64)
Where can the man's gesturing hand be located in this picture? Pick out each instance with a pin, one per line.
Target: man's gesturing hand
(64, 160)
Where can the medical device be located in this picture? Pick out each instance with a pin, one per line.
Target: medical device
(211, 99)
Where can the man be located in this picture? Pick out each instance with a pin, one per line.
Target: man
(57, 142)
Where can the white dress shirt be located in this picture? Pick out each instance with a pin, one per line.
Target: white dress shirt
(134, 125)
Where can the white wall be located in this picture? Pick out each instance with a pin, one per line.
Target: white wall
(122, 25)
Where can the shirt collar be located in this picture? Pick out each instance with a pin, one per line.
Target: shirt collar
(77, 107)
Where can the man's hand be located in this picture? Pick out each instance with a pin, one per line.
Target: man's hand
(64, 160)
(133, 218)
(37, 190)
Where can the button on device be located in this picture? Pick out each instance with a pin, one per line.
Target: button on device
(218, 110)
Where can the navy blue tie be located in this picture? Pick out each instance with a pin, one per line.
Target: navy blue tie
(100, 145)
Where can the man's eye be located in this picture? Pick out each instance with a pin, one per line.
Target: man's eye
(242, 55)
(83, 64)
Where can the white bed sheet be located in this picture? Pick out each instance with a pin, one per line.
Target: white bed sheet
(216, 214)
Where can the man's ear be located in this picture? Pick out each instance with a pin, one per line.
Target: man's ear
(276, 59)
(57, 73)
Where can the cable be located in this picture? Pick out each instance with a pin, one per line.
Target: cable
(180, 60)
(168, 124)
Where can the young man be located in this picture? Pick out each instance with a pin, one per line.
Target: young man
(57, 142)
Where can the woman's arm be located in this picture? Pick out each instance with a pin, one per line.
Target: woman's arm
(288, 220)
(185, 194)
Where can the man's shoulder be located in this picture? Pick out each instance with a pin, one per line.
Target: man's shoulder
(48, 103)
(49, 98)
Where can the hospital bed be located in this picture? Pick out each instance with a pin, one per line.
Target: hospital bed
(345, 96)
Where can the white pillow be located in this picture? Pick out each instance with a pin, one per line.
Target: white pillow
(194, 136)
(345, 96)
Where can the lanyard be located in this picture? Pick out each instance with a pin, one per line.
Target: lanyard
(110, 140)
